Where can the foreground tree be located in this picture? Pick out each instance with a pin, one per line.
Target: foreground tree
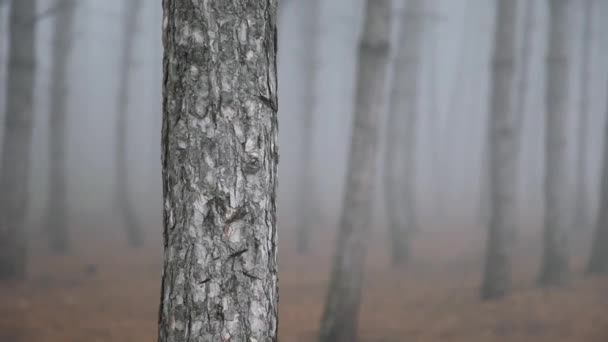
(125, 206)
(57, 201)
(339, 322)
(400, 178)
(219, 162)
(581, 214)
(503, 148)
(307, 210)
(17, 139)
(598, 262)
(555, 258)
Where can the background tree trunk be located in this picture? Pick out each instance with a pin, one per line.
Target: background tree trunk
(57, 201)
(339, 322)
(503, 147)
(310, 37)
(219, 171)
(400, 178)
(581, 214)
(555, 258)
(14, 175)
(132, 226)
(598, 261)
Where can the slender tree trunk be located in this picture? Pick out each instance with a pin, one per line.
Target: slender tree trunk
(555, 258)
(132, 226)
(19, 120)
(57, 202)
(522, 92)
(400, 178)
(581, 215)
(219, 159)
(503, 149)
(339, 322)
(307, 213)
(598, 261)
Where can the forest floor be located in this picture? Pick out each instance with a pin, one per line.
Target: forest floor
(107, 292)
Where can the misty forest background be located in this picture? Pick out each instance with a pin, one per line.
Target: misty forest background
(95, 286)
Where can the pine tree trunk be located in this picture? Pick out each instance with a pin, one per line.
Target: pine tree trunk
(19, 120)
(598, 261)
(339, 322)
(307, 214)
(57, 201)
(124, 204)
(399, 179)
(503, 147)
(555, 258)
(219, 159)
(581, 215)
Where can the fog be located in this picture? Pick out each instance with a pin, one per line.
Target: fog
(451, 130)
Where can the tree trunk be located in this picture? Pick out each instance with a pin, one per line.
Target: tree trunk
(339, 322)
(522, 95)
(555, 259)
(503, 146)
(19, 120)
(307, 212)
(219, 162)
(581, 214)
(57, 201)
(399, 179)
(124, 204)
(598, 261)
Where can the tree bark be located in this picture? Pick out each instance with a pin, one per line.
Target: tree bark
(219, 162)
(310, 38)
(123, 202)
(503, 149)
(555, 257)
(581, 215)
(598, 261)
(14, 175)
(57, 201)
(339, 322)
(400, 177)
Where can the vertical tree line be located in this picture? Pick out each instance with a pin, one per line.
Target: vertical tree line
(339, 323)
(219, 167)
(63, 40)
(18, 123)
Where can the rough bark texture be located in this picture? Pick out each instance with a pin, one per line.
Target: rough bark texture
(339, 322)
(124, 204)
(503, 148)
(219, 171)
(400, 178)
(581, 214)
(598, 262)
(306, 193)
(57, 201)
(17, 139)
(555, 255)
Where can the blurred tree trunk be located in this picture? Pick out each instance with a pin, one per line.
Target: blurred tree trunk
(339, 322)
(219, 157)
(308, 214)
(581, 215)
(18, 125)
(555, 259)
(522, 93)
(598, 261)
(400, 178)
(503, 148)
(57, 201)
(124, 204)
